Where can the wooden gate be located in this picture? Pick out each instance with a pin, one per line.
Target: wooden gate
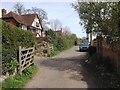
(26, 57)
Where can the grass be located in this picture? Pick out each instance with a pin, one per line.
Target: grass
(56, 52)
(19, 81)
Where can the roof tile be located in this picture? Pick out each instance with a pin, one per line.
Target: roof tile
(25, 19)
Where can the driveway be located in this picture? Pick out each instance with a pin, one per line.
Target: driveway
(62, 71)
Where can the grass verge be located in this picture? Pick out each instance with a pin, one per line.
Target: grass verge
(56, 52)
(19, 81)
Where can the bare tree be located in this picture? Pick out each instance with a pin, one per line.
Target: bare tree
(55, 24)
(19, 8)
(27, 11)
(41, 13)
(66, 30)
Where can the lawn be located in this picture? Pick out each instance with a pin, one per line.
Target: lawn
(19, 81)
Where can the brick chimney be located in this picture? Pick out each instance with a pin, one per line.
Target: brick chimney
(3, 12)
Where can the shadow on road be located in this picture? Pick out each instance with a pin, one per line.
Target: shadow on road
(81, 51)
(73, 65)
(77, 50)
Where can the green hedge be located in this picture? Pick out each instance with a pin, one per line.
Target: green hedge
(59, 42)
(12, 38)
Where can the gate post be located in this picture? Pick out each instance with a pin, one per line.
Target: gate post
(20, 71)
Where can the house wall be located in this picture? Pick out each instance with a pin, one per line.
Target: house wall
(43, 34)
(24, 27)
(36, 23)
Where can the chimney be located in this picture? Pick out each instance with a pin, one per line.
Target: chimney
(3, 12)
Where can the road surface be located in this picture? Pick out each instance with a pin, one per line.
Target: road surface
(62, 71)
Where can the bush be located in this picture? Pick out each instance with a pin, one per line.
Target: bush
(19, 81)
(12, 38)
(59, 42)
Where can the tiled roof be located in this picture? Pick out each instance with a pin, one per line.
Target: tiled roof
(25, 19)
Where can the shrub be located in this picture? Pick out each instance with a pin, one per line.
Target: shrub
(12, 38)
(59, 42)
(19, 81)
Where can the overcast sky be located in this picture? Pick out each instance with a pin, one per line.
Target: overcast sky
(56, 10)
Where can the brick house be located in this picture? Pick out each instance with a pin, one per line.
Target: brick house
(29, 22)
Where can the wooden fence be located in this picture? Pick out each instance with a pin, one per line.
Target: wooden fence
(26, 58)
(105, 50)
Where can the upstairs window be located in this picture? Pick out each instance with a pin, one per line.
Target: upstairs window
(37, 24)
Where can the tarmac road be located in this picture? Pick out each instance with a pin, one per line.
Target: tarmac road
(62, 71)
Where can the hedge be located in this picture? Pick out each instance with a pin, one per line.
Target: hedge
(12, 38)
(59, 42)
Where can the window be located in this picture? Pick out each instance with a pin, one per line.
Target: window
(24, 27)
(37, 24)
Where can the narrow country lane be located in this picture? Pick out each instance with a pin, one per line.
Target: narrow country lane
(62, 71)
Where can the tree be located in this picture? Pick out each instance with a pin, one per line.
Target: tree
(100, 18)
(74, 39)
(66, 30)
(73, 36)
(19, 8)
(41, 14)
(56, 24)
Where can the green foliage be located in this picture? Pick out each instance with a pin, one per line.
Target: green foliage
(10, 66)
(53, 53)
(19, 81)
(13, 64)
(60, 42)
(12, 38)
(51, 36)
(101, 18)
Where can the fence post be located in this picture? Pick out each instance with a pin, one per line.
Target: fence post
(48, 48)
(20, 71)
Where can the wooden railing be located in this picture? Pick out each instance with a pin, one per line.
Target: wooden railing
(26, 58)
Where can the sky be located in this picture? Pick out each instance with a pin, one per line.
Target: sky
(62, 11)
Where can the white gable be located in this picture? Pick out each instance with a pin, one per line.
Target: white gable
(34, 24)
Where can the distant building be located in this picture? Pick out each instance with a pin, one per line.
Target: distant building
(79, 41)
